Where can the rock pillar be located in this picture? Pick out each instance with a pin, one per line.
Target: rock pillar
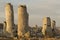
(22, 20)
(46, 29)
(9, 18)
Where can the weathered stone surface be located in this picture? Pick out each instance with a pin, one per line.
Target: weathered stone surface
(22, 20)
(9, 18)
(46, 29)
(46, 23)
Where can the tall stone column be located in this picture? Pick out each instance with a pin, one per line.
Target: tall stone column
(53, 24)
(9, 18)
(22, 20)
(46, 29)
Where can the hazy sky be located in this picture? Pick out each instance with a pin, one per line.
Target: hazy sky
(37, 9)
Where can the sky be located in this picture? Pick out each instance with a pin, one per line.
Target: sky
(37, 9)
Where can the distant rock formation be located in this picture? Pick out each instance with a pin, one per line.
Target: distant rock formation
(9, 18)
(22, 30)
(46, 28)
(22, 20)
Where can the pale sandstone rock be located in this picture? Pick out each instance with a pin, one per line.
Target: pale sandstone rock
(46, 29)
(22, 20)
(9, 18)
